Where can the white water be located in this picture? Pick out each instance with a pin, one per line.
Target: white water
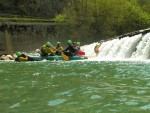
(128, 48)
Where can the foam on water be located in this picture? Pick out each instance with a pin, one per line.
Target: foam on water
(135, 48)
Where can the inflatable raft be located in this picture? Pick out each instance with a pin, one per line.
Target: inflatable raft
(56, 57)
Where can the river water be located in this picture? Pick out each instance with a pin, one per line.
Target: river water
(75, 87)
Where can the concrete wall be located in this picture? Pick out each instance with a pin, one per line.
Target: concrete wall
(23, 36)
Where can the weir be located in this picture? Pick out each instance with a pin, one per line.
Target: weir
(20, 34)
(128, 47)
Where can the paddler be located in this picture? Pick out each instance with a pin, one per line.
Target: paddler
(59, 48)
(96, 49)
(79, 52)
(70, 50)
(23, 57)
(47, 49)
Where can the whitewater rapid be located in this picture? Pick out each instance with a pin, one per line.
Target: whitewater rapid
(135, 48)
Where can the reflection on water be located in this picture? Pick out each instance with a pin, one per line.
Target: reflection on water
(145, 107)
(56, 102)
(15, 105)
(74, 87)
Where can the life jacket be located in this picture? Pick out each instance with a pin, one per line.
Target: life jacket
(22, 57)
(47, 50)
(59, 48)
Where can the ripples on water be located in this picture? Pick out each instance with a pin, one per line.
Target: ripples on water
(74, 87)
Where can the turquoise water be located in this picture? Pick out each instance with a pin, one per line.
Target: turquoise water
(75, 87)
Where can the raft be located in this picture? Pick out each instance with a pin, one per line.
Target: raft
(56, 57)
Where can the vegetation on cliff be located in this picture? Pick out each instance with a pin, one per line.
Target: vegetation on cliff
(104, 18)
(92, 19)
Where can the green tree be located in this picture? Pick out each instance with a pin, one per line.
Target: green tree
(145, 4)
(104, 18)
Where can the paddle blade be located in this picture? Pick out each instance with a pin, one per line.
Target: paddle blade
(81, 53)
(65, 57)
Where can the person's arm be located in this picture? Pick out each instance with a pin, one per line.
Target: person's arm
(66, 49)
(61, 48)
(73, 49)
(51, 51)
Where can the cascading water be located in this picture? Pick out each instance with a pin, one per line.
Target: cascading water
(143, 48)
(135, 47)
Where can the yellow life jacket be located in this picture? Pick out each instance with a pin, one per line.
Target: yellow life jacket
(49, 50)
(23, 58)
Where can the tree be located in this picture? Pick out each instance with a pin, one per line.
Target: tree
(104, 18)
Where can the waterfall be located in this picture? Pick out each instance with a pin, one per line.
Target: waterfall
(143, 48)
(134, 47)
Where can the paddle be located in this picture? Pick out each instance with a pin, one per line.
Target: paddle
(65, 57)
(80, 53)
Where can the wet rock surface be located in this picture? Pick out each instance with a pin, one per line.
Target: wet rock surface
(7, 57)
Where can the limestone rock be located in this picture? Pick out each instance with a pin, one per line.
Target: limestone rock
(38, 51)
(4, 57)
(10, 57)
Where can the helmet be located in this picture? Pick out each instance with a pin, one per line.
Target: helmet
(69, 42)
(48, 44)
(98, 44)
(58, 43)
(18, 54)
(78, 43)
